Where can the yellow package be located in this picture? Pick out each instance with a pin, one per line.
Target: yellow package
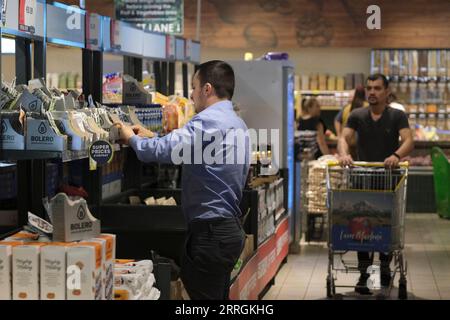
(160, 99)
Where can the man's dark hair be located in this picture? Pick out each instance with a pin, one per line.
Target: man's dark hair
(220, 75)
(381, 76)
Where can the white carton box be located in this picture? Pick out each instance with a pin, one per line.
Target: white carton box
(53, 271)
(109, 264)
(87, 257)
(6, 269)
(102, 242)
(25, 265)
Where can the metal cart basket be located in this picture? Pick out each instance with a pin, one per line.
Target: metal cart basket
(366, 204)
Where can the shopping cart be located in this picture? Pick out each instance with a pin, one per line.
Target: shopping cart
(366, 204)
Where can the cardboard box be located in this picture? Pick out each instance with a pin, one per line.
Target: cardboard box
(23, 236)
(87, 257)
(6, 268)
(176, 290)
(72, 220)
(102, 242)
(25, 275)
(249, 247)
(53, 271)
(109, 264)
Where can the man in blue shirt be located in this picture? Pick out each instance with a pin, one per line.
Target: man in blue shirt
(214, 150)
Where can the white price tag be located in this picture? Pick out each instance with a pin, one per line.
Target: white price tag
(27, 16)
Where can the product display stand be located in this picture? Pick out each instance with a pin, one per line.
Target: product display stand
(32, 165)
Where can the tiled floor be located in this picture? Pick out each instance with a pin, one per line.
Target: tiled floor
(427, 252)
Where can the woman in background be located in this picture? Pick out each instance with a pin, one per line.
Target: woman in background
(310, 121)
(358, 101)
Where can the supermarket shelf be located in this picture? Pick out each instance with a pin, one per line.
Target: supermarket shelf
(430, 144)
(322, 92)
(330, 108)
(260, 270)
(10, 232)
(244, 264)
(12, 155)
(417, 144)
(65, 156)
(279, 215)
(420, 171)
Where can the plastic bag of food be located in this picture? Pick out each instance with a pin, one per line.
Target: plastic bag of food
(170, 118)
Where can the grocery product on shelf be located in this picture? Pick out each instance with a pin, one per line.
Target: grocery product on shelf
(151, 201)
(33, 267)
(56, 121)
(110, 257)
(375, 61)
(134, 280)
(53, 270)
(64, 81)
(270, 207)
(112, 88)
(423, 87)
(325, 82)
(316, 191)
(71, 219)
(25, 271)
(6, 268)
(333, 100)
(87, 256)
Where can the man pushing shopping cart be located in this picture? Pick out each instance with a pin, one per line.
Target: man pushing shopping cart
(370, 187)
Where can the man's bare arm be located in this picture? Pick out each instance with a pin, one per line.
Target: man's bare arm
(343, 146)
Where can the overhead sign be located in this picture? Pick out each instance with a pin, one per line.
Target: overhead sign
(93, 31)
(165, 16)
(154, 45)
(193, 51)
(180, 49)
(66, 25)
(27, 16)
(115, 35)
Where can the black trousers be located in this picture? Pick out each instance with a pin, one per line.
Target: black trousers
(210, 254)
(365, 260)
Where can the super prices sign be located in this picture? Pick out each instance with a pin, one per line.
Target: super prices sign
(165, 16)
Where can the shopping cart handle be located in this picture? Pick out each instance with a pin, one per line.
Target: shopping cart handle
(334, 163)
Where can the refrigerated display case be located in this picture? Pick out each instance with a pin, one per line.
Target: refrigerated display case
(264, 94)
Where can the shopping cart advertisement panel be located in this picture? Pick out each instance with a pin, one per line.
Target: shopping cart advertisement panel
(361, 220)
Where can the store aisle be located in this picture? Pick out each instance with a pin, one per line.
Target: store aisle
(427, 252)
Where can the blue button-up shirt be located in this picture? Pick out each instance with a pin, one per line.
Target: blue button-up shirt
(210, 189)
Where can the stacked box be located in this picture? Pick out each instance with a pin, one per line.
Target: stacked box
(102, 242)
(25, 266)
(53, 271)
(110, 257)
(6, 268)
(85, 258)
